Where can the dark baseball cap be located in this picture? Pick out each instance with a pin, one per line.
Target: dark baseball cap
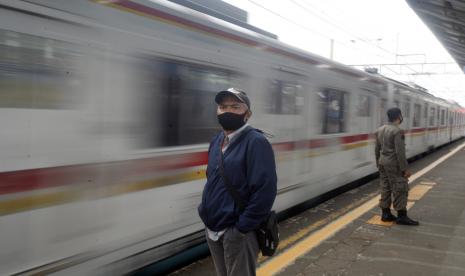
(236, 93)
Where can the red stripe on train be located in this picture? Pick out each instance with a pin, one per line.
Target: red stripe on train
(25, 180)
(355, 138)
(33, 179)
(417, 130)
(114, 172)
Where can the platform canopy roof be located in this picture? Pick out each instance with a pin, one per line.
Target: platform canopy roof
(446, 19)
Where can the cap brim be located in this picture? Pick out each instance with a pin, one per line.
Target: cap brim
(222, 94)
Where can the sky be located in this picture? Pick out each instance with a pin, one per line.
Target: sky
(364, 32)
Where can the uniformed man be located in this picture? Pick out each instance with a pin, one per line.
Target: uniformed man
(392, 164)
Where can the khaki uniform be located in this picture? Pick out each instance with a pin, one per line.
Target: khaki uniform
(392, 162)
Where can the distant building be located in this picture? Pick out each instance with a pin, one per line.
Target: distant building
(223, 11)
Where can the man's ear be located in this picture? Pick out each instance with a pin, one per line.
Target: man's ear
(248, 115)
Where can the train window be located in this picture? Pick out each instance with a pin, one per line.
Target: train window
(416, 115)
(426, 112)
(286, 98)
(333, 107)
(443, 117)
(38, 72)
(182, 107)
(364, 106)
(432, 116)
(438, 114)
(396, 104)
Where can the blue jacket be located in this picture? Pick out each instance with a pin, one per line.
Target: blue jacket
(250, 166)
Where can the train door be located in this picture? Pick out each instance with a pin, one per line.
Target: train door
(365, 122)
(451, 124)
(406, 114)
(438, 126)
(284, 107)
(407, 125)
(432, 130)
(382, 111)
(425, 124)
(417, 130)
(334, 146)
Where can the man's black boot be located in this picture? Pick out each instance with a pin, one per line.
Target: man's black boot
(403, 219)
(387, 215)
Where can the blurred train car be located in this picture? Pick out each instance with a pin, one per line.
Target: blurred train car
(106, 109)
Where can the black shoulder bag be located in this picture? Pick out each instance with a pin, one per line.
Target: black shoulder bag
(267, 232)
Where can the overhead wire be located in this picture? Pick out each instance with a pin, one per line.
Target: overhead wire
(341, 28)
(359, 38)
(328, 21)
(305, 27)
(288, 20)
(306, 8)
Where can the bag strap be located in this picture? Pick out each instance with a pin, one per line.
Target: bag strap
(233, 192)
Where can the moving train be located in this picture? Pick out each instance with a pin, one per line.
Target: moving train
(106, 110)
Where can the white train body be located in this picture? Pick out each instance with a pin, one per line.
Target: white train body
(107, 108)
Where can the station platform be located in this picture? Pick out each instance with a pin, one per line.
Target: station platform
(345, 236)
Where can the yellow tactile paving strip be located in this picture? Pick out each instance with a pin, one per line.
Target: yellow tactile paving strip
(376, 220)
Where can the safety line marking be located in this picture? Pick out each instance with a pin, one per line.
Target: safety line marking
(306, 230)
(417, 192)
(431, 183)
(284, 259)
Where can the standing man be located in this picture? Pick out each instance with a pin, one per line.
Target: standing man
(392, 164)
(249, 167)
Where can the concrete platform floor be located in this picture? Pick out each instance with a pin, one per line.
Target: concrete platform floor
(364, 246)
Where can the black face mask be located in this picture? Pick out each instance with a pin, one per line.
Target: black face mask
(231, 121)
